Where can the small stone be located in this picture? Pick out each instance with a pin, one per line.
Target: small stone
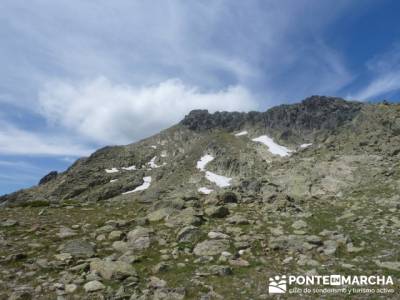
(238, 219)
(100, 237)
(105, 229)
(93, 286)
(66, 232)
(226, 254)
(156, 282)
(299, 224)
(129, 258)
(121, 246)
(115, 235)
(220, 270)
(70, 288)
(239, 262)
(119, 223)
(314, 239)
(304, 260)
(35, 245)
(217, 235)
(276, 231)
(351, 249)
(63, 256)
(9, 223)
(330, 247)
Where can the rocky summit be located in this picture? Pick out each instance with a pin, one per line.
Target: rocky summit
(214, 207)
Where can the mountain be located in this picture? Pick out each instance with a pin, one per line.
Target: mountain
(309, 187)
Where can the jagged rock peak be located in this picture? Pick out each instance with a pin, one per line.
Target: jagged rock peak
(314, 112)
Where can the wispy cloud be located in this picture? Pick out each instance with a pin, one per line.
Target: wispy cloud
(16, 141)
(385, 73)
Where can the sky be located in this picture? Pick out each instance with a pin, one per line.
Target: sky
(76, 75)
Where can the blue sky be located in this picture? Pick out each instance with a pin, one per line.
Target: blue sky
(78, 75)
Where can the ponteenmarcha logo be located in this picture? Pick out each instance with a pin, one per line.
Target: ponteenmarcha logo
(280, 284)
(277, 284)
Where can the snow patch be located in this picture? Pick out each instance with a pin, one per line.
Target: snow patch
(131, 168)
(201, 164)
(152, 163)
(153, 146)
(219, 180)
(112, 170)
(205, 190)
(144, 186)
(305, 145)
(273, 147)
(241, 133)
(113, 180)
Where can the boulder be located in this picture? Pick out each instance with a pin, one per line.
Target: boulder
(160, 214)
(139, 238)
(112, 269)
(79, 248)
(188, 234)
(93, 286)
(185, 217)
(211, 247)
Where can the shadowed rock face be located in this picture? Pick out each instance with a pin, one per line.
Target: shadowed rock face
(52, 175)
(314, 113)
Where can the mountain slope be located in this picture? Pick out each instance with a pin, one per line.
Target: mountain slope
(182, 145)
(218, 201)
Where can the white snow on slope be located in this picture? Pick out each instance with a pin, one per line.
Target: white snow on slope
(144, 186)
(305, 145)
(130, 168)
(153, 146)
(113, 180)
(113, 170)
(273, 147)
(201, 164)
(241, 133)
(219, 180)
(152, 163)
(205, 190)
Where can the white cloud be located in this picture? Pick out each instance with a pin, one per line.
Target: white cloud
(114, 113)
(16, 141)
